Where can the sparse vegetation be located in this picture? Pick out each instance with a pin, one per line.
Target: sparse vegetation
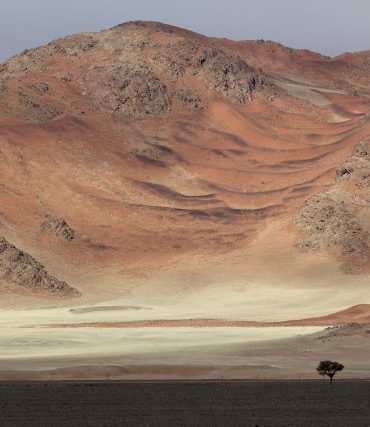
(329, 368)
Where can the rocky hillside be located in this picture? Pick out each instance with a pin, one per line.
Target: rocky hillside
(148, 151)
(125, 70)
(20, 268)
(338, 218)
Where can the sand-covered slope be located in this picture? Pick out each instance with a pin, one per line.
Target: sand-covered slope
(148, 160)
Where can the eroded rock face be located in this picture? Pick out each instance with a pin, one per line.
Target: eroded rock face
(139, 86)
(229, 74)
(361, 150)
(58, 226)
(189, 99)
(332, 226)
(330, 218)
(22, 269)
(38, 112)
(74, 45)
(129, 88)
(220, 70)
(357, 166)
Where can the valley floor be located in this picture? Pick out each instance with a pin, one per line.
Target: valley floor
(227, 403)
(111, 341)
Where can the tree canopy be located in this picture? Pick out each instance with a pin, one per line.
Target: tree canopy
(329, 368)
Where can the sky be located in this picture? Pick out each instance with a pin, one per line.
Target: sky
(327, 26)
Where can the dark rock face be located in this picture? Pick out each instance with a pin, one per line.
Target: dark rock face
(74, 45)
(363, 178)
(59, 226)
(361, 150)
(127, 88)
(332, 226)
(220, 70)
(330, 218)
(360, 163)
(229, 74)
(22, 269)
(37, 112)
(175, 68)
(357, 166)
(344, 172)
(39, 87)
(189, 99)
(133, 85)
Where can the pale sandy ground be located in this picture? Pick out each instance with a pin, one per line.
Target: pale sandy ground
(33, 348)
(95, 353)
(159, 352)
(48, 348)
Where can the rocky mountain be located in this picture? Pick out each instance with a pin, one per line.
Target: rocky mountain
(150, 159)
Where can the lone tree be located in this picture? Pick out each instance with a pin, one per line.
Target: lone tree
(329, 368)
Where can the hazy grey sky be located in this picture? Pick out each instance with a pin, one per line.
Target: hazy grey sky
(327, 26)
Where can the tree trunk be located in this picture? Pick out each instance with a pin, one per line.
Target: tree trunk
(331, 379)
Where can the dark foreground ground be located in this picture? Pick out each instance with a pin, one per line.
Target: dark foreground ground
(228, 403)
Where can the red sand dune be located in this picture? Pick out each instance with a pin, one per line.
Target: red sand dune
(147, 149)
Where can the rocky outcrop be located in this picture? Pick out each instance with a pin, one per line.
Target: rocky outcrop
(134, 85)
(357, 166)
(189, 99)
(126, 69)
(39, 87)
(37, 112)
(22, 269)
(228, 73)
(131, 88)
(361, 150)
(330, 218)
(220, 70)
(344, 330)
(74, 45)
(331, 226)
(58, 226)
